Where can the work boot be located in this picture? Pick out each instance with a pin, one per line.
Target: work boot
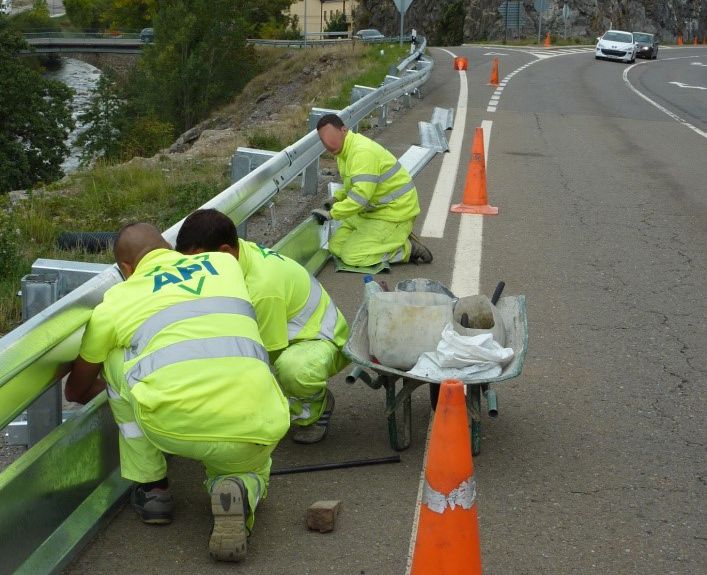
(418, 251)
(154, 506)
(316, 431)
(229, 506)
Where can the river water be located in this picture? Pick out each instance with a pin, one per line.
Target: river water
(82, 78)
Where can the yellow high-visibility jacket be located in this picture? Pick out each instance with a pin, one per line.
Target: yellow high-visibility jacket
(376, 186)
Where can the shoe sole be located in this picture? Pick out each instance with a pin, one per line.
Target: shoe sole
(229, 541)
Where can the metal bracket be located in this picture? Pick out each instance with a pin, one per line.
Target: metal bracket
(432, 136)
(444, 117)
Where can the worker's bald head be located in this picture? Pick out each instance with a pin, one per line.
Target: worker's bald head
(134, 241)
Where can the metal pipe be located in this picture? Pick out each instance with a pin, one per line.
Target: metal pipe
(491, 403)
(340, 465)
(358, 373)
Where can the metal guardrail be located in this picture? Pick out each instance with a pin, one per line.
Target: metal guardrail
(300, 43)
(55, 495)
(82, 35)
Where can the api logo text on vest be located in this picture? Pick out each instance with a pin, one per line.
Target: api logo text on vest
(188, 274)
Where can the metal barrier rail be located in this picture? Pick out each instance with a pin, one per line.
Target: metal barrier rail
(55, 495)
(81, 35)
(300, 43)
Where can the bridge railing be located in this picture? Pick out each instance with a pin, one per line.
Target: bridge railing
(81, 35)
(55, 494)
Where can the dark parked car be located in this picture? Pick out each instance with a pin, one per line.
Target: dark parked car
(369, 35)
(147, 35)
(646, 46)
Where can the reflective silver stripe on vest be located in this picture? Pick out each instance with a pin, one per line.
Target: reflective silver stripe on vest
(370, 178)
(331, 315)
(359, 199)
(390, 173)
(297, 323)
(189, 349)
(463, 496)
(181, 311)
(130, 430)
(397, 193)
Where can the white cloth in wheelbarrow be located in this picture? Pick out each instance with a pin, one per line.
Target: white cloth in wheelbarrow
(461, 356)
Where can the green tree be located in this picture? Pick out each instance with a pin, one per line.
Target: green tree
(35, 119)
(337, 23)
(87, 14)
(450, 28)
(129, 14)
(35, 19)
(198, 60)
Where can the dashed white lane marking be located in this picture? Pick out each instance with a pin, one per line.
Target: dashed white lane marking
(663, 109)
(436, 218)
(467, 258)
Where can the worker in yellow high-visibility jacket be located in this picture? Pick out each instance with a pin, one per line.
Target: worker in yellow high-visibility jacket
(377, 204)
(186, 373)
(301, 327)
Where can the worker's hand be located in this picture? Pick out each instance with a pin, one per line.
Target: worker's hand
(321, 215)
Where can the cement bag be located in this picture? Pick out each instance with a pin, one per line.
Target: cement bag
(464, 357)
(483, 317)
(402, 325)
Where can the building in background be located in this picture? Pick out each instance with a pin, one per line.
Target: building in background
(320, 13)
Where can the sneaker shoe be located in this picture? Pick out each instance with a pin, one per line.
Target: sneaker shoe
(229, 506)
(316, 431)
(154, 506)
(418, 251)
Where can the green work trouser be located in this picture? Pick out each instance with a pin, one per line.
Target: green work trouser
(302, 370)
(142, 450)
(363, 242)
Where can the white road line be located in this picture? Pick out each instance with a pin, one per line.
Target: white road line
(467, 258)
(418, 502)
(436, 218)
(673, 115)
(452, 54)
(491, 109)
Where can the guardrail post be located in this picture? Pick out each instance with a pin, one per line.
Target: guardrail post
(39, 291)
(311, 173)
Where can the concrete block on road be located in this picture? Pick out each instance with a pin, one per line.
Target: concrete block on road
(321, 515)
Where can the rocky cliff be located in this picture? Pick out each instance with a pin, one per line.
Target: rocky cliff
(452, 21)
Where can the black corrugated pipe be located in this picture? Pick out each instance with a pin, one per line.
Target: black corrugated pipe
(90, 241)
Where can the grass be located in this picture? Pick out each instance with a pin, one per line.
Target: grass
(108, 196)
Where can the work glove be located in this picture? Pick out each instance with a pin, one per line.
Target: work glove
(321, 215)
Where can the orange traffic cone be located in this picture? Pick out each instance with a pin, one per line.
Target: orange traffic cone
(679, 39)
(475, 200)
(448, 531)
(547, 40)
(460, 63)
(493, 81)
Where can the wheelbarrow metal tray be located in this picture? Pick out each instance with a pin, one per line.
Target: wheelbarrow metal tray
(512, 309)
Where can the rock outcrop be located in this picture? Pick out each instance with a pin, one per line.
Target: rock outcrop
(482, 20)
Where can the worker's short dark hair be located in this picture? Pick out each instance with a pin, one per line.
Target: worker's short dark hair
(206, 230)
(328, 119)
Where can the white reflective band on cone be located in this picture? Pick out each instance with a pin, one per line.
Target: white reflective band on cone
(463, 496)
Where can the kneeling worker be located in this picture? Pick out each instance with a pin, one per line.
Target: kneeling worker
(187, 374)
(301, 327)
(377, 205)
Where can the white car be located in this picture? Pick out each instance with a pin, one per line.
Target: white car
(616, 45)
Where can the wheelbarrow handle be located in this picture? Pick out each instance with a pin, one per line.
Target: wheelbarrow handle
(497, 292)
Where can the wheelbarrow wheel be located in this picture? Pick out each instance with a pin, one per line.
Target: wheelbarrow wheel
(434, 395)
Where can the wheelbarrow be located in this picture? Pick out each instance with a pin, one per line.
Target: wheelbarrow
(399, 385)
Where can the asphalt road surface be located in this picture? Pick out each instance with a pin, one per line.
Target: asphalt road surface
(596, 463)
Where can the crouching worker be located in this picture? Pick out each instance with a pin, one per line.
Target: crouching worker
(187, 374)
(301, 327)
(377, 205)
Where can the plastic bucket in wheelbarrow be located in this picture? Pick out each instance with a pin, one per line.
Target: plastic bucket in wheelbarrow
(403, 325)
(89, 241)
